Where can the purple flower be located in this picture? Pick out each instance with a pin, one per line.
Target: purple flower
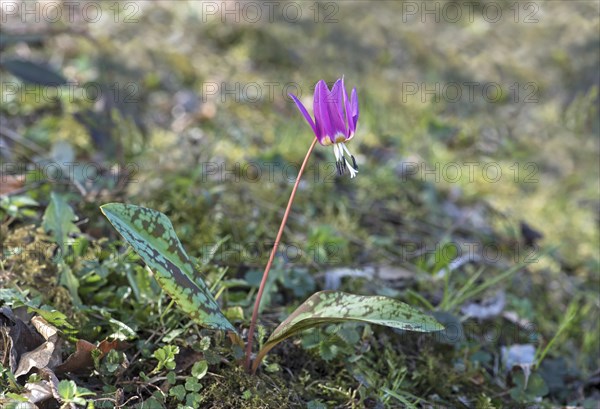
(335, 121)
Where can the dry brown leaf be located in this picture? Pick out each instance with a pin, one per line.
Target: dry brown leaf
(80, 359)
(107, 346)
(394, 273)
(186, 358)
(488, 308)
(42, 355)
(48, 375)
(16, 338)
(11, 183)
(38, 391)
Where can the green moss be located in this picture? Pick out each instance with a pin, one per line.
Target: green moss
(235, 388)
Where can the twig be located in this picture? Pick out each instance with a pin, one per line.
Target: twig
(9, 133)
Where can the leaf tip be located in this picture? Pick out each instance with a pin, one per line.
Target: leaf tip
(109, 208)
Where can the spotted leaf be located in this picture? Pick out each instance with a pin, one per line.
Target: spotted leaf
(327, 307)
(152, 236)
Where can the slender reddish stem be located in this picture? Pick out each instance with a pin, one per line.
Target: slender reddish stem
(263, 282)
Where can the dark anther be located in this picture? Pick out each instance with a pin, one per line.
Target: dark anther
(354, 162)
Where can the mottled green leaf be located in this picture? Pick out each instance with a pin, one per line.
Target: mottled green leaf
(152, 236)
(58, 219)
(327, 307)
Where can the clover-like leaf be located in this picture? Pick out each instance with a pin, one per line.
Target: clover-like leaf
(327, 307)
(152, 236)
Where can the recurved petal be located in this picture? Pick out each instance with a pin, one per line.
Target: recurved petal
(334, 110)
(354, 104)
(337, 96)
(304, 112)
(348, 111)
(322, 122)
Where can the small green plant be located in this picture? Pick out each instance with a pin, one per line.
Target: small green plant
(153, 237)
(528, 389)
(165, 357)
(71, 395)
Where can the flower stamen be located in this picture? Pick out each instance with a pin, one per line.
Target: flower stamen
(353, 171)
(341, 163)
